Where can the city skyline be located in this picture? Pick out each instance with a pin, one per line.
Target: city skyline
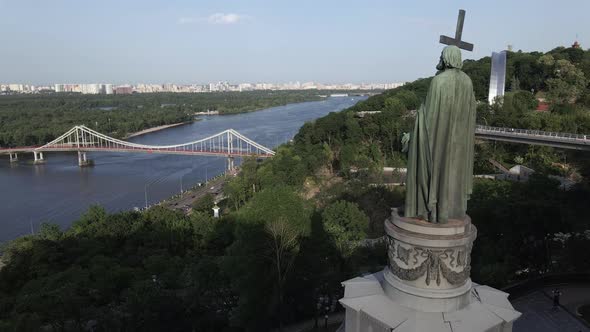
(220, 86)
(262, 41)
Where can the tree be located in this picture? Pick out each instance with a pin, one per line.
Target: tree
(205, 203)
(235, 190)
(514, 84)
(49, 232)
(391, 128)
(282, 251)
(346, 224)
(409, 99)
(566, 82)
(394, 105)
(268, 232)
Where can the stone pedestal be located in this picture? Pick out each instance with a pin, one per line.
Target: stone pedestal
(426, 285)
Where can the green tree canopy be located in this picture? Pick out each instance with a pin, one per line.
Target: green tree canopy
(346, 223)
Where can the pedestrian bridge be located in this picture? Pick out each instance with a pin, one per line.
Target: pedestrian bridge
(230, 144)
(534, 137)
(82, 139)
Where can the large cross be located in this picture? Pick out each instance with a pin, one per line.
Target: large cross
(457, 40)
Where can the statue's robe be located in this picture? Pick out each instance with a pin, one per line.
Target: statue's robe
(440, 161)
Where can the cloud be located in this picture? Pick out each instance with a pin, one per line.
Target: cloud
(217, 18)
(221, 18)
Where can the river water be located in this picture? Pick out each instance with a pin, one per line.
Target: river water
(59, 191)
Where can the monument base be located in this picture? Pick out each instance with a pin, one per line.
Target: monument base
(369, 308)
(426, 286)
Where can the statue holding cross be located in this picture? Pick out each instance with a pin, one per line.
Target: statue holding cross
(440, 158)
(426, 285)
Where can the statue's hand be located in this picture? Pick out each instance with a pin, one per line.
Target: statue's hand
(405, 142)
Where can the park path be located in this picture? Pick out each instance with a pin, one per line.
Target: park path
(539, 315)
(308, 324)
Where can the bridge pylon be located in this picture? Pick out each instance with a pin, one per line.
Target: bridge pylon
(82, 160)
(13, 157)
(38, 157)
(230, 163)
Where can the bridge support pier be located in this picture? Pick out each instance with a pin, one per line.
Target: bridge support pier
(82, 160)
(38, 157)
(230, 164)
(13, 157)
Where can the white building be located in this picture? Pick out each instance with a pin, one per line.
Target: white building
(90, 88)
(16, 87)
(497, 76)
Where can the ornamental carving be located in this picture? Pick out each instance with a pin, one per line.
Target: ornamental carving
(434, 263)
(403, 254)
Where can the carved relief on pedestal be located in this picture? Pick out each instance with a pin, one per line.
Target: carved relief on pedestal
(409, 262)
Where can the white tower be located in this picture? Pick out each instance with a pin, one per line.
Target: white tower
(497, 76)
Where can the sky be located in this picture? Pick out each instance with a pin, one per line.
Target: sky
(186, 42)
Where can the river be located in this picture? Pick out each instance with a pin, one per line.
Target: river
(59, 191)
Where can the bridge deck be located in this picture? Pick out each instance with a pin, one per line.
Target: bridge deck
(534, 137)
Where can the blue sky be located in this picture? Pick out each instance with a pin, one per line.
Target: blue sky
(279, 41)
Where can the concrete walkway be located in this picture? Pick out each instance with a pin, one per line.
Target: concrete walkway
(539, 315)
(308, 325)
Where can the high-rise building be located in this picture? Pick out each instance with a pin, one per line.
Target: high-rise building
(497, 76)
(123, 90)
(16, 87)
(91, 88)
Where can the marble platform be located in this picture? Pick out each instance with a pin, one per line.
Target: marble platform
(426, 285)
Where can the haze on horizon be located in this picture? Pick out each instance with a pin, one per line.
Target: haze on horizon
(252, 41)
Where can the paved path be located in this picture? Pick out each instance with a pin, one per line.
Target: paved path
(572, 296)
(308, 325)
(538, 314)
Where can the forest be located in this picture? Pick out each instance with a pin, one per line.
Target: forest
(27, 120)
(293, 227)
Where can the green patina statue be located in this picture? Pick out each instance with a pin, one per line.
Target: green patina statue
(440, 160)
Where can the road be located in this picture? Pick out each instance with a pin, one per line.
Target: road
(185, 201)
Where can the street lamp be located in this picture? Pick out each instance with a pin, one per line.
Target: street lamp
(182, 176)
(181, 181)
(146, 196)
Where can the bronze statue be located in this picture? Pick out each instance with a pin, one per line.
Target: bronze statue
(440, 160)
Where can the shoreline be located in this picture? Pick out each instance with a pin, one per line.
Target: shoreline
(157, 128)
(259, 109)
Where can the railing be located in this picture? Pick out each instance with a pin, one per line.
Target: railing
(530, 132)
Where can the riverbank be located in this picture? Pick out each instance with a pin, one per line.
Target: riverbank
(158, 128)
